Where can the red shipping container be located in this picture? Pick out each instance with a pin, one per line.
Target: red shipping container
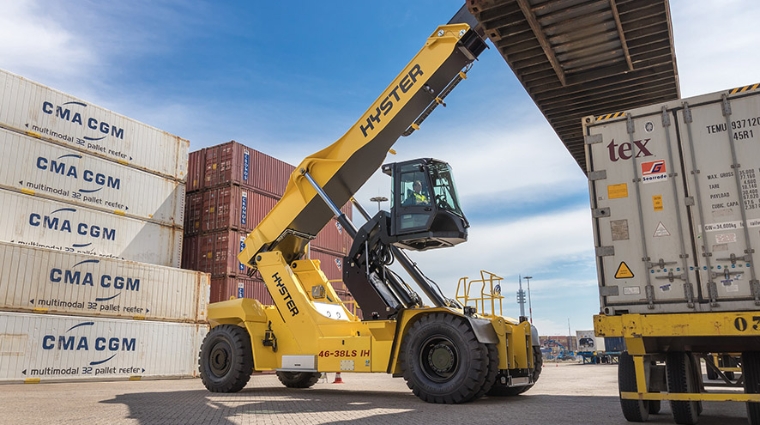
(233, 163)
(225, 288)
(193, 213)
(195, 167)
(215, 253)
(234, 207)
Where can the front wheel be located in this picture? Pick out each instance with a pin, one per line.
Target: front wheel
(226, 359)
(298, 379)
(442, 360)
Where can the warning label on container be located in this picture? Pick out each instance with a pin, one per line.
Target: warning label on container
(616, 191)
(623, 272)
(661, 231)
(657, 202)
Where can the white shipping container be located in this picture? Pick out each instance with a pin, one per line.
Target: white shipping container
(32, 221)
(586, 340)
(44, 281)
(676, 205)
(49, 170)
(29, 107)
(40, 348)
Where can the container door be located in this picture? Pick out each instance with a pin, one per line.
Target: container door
(721, 136)
(644, 259)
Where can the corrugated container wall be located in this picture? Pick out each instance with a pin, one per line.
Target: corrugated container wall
(33, 221)
(63, 174)
(43, 281)
(31, 108)
(215, 253)
(233, 163)
(40, 348)
(676, 205)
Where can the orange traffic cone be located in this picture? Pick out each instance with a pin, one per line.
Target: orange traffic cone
(338, 379)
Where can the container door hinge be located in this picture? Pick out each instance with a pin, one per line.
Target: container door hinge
(661, 263)
(600, 212)
(712, 291)
(726, 106)
(672, 277)
(650, 296)
(592, 139)
(688, 292)
(597, 175)
(755, 287)
(605, 251)
(733, 258)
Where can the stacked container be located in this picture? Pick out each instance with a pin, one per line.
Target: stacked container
(92, 230)
(231, 189)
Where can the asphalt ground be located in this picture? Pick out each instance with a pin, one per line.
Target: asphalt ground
(565, 394)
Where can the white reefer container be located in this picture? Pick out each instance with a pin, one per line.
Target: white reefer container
(676, 206)
(32, 221)
(53, 171)
(44, 281)
(29, 107)
(40, 347)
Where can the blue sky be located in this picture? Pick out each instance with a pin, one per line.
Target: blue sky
(289, 78)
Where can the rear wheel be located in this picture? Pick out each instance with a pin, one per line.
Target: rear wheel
(493, 371)
(500, 390)
(633, 410)
(442, 360)
(680, 373)
(298, 379)
(226, 359)
(751, 374)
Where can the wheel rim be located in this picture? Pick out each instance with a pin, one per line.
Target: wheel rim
(219, 359)
(439, 358)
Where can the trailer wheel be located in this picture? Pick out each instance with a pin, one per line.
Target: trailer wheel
(226, 359)
(633, 410)
(442, 360)
(298, 379)
(751, 374)
(711, 374)
(499, 389)
(680, 375)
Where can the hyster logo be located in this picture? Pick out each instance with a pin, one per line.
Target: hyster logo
(85, 278)
(289, 303)
(653, 171)
(386, 105)
(85, 343)
(625, 151)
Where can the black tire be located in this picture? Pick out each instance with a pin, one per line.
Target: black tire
(226, 359)
(654, 406)
(501, 390)
(751, 374)
(680, 376)
(493, 371)
(633, 410)
(442, 360)
(298, 379)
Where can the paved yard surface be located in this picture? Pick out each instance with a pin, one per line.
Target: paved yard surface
(565, 394)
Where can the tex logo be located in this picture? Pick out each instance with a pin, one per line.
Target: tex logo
(653, 171)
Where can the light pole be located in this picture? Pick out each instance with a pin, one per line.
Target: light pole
(378, 199)
(530, 308)
(521, 300)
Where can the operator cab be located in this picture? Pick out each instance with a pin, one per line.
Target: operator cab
(425, 211)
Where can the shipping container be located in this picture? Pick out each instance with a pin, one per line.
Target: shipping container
(586, 340)
(233, 163)
(676, 205)
(49, 348)
(193, 213)
(31, 108)
(233, 207)
(215, 253)
(44, 281)
(333, 238)
(36, 222)
(195, 170)
(227, 287)
(48, 170)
